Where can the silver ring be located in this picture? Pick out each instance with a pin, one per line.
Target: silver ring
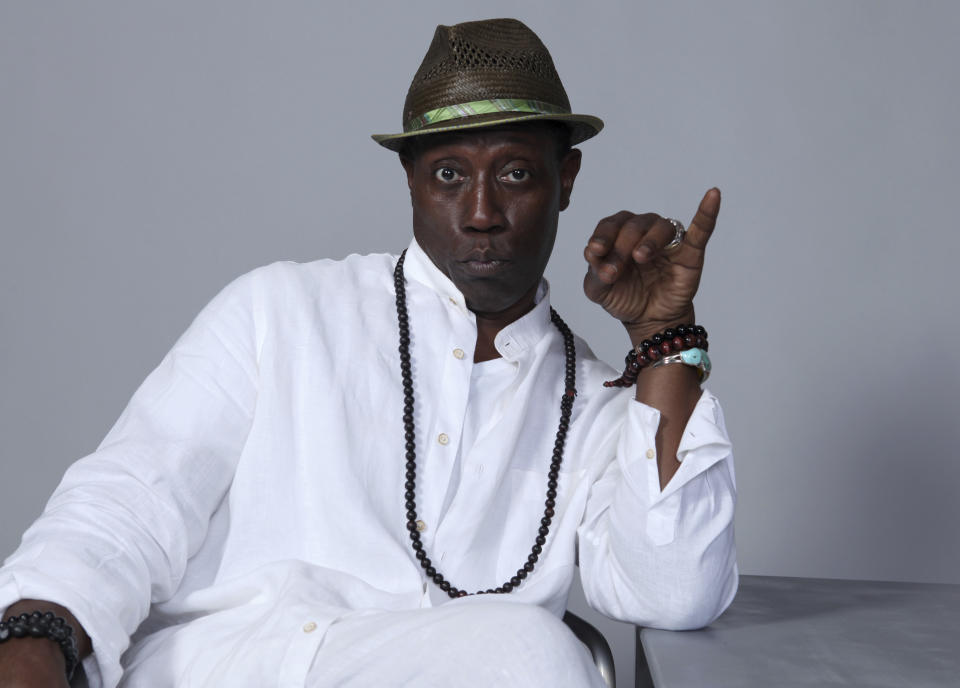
(679, 231)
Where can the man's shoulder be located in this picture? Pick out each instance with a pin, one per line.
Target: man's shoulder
(353, 267)
(286, 278)
(286, 291)
(594, 370)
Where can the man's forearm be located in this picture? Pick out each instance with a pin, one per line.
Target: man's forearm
(674, 391)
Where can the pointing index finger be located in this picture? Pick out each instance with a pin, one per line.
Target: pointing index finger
(702, 225)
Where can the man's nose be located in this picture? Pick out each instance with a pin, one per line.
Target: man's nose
(483, 206)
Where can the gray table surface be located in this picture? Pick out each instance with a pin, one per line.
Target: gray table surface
(814, 632)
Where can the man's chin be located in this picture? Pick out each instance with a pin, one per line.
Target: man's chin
(492, 306)
(496, 295)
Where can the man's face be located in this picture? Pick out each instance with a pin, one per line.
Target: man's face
(485, 210)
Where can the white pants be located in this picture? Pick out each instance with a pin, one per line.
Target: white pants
(481, 643)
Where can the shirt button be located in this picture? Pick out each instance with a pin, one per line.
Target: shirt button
(442, 438)
(421, 526)
(452, 300)
(458, 353)
(651, 453)
(309, 627)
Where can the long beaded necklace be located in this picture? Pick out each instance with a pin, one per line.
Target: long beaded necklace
(566, 405)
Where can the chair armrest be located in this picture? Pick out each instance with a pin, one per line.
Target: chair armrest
(596, 643)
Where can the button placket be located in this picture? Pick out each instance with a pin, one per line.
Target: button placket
(447, 362)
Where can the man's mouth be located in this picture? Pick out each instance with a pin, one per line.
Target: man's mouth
(483, 261)
(484, 266)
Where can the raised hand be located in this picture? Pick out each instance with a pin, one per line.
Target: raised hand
(646, 287)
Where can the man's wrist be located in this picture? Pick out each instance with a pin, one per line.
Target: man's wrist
(645, 330)
(32, 662)
(28, 606)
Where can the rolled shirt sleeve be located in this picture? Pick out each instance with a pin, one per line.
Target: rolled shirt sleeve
(663, 559)
(118, 531)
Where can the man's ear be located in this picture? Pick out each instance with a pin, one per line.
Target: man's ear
(569, 167)
(408, 166)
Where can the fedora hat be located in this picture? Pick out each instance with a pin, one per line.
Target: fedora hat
(483, 74)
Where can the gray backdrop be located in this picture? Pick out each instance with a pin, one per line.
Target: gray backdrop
(150, 152)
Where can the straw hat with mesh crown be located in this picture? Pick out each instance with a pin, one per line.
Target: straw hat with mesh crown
(485, 73)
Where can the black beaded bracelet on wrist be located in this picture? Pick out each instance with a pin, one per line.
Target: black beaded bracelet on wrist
(44, 625)
(672, 340)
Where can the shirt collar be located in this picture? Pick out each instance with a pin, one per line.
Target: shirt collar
(514, 339)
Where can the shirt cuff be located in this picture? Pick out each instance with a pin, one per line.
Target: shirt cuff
(704, 443)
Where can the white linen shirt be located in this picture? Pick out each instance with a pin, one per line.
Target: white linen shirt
(251, 493)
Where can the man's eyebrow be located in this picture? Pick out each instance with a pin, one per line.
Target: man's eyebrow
(443, 157)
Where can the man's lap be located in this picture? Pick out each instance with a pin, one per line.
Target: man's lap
(476, 642)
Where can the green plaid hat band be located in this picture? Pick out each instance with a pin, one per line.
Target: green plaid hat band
(483, 107)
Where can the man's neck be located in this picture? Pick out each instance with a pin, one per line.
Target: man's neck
(490, 324)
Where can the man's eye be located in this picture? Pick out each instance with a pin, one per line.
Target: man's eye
(518, 175)
(446, 174)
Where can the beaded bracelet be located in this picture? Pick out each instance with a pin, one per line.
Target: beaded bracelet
(672, 340)
(44, 625)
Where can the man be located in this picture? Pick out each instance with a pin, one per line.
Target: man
(383, 470)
